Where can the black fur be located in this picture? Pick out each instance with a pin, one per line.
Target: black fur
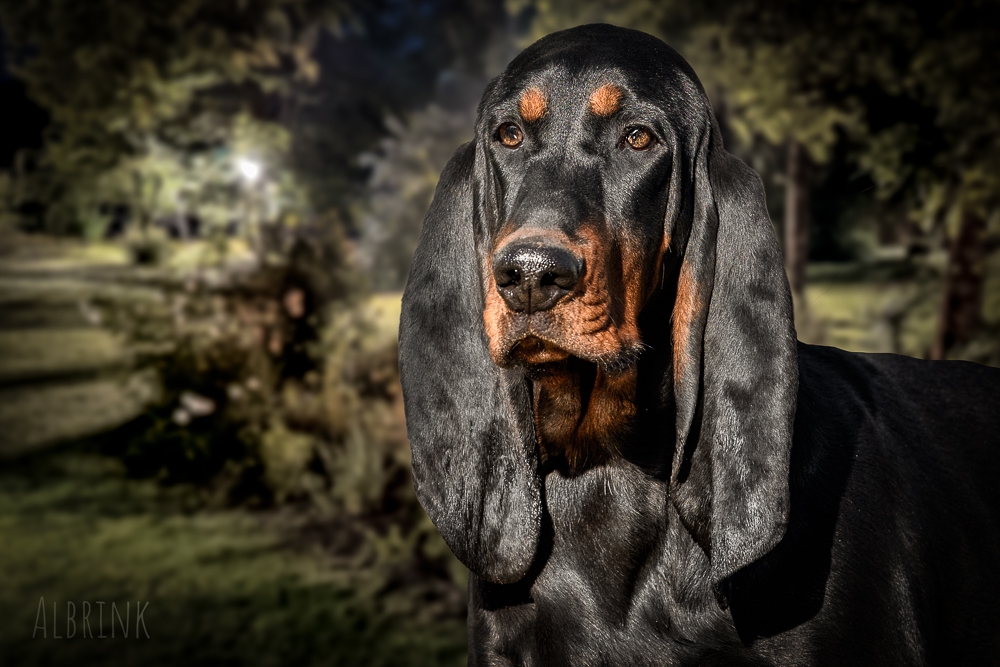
(773, 503)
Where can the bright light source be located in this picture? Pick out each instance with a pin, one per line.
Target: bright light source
(249, 169)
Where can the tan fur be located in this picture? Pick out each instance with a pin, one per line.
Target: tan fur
(604, 101)
(557, 407)
(598, 321)
(532, 105)
(584, 431)
(686, 306)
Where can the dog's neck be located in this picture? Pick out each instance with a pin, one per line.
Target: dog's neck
(585, 415)
(581, 412)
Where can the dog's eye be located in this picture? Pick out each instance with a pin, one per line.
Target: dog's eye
(639, 138)
(510, 135)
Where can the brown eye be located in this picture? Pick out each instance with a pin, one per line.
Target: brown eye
(639, 138)
(510, 135)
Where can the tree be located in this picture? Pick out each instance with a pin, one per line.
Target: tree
(155, 92)
(922, 80)
(476, 40)
(404, 172)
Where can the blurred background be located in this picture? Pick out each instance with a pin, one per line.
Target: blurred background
(207, 211)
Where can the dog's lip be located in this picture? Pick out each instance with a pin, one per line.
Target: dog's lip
(534, 350)
(557, 346)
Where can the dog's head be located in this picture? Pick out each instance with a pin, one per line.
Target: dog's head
(596, 224)
(582, 138)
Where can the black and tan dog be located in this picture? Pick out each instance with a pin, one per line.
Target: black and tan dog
(614, 427)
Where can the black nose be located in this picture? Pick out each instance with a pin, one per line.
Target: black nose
(532, 276)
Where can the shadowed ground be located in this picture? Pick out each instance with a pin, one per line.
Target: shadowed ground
(224, 587)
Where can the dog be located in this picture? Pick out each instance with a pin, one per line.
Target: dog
(615, 429)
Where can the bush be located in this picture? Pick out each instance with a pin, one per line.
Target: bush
(224, 343)
(281, 387)
(280, 384)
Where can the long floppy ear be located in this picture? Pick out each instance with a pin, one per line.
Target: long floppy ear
(735, 368)
(468, 421)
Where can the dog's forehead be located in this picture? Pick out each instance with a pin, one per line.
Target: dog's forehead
(570, 66)
(558, 91)
(596, 47)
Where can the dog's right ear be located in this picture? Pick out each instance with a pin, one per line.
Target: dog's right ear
(468, 421)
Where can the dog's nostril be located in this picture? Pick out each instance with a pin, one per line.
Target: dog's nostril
(508, 278)
(565, 279)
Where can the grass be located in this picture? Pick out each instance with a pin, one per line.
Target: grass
(384, 308)
(853, 306)
(857, 315)
(223, 587)
(33, 353)
(42, 252)
(61, 376)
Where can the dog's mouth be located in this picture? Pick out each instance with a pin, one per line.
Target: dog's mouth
(581, 409)
(533, 346)
(582, 378)
(534, 351)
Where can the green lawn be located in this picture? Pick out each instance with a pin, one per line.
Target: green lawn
(32, 353)
(224, 587)
(36, 416)
(882, 307)
(62, 376)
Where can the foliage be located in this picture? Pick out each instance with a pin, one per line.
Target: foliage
(923, 82)
(404, 171)
(280, 385)
(394, 59)
(153, 104)
(224, 342)
(151, 101)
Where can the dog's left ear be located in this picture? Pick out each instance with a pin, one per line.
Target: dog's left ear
(735, 366)
(468, 421)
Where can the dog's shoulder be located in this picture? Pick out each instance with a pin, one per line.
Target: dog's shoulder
(902, 390)
(923, 436)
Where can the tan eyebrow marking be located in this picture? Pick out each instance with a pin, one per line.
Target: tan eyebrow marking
(604, 101)
(532, 105)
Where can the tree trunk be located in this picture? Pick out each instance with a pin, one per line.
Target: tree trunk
(960, 313)
(796, 217)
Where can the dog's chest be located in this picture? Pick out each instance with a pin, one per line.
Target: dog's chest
(608, 533)
(610, 591)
